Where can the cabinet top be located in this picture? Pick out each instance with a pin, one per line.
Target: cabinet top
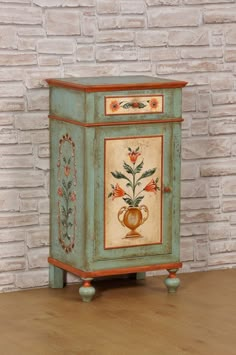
(116, 83)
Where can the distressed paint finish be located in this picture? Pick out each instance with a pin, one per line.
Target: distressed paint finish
(79, 117)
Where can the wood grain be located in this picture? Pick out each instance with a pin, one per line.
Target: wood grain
(126, 317)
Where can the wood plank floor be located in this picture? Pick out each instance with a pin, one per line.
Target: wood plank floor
(127, 317)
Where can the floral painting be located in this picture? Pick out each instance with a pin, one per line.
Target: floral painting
(66, 193)
(122, 105)
(133, 191)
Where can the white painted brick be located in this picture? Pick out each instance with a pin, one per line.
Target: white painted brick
(45, 3)
(220, 16)
(222, 247)
(189, 100)
(222, 259)
(186, 250)
(222, 83)
(202, 217)
(188, 230)
(202, 2)
(32, 279)
(85, 53)
(38, 238)
(64, 23)
(28, 205)
(193, 189)
(199, 204)
(15, 59)
(76, 3)
(42, 164)
(218, 168)
(230, 35)
(9, 200)
(35, 79)
(55, 46)
(8, 38)
(223, 111)
(115, 53)
(108, 7)
(44, 206)
(206, 148)
(8, 136)
(189, 171)
(162, 2)
(7, 105)
(21, 15)
(12, 264)
(165, 17)
(161, 54)
(198, 53)
(38, 100)
(151, 38)
(132, 22)
(6, 279)
(226, 126)
(12, 74)
(29, 121)
(44, 219)
(198, 37)
(38, 258)
(48, 60)
(44, 151)
(21, 179)
(12, 235)
(14, 249)
(188, 67)
(219, 231)
(26, 44)
(115, 36)
(129, 7)
(89, 25)
(18, 220)
(229, 205)
(199, 127)
(33, 193)
(201, 249)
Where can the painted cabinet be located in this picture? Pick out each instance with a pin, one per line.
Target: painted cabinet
(115, 178)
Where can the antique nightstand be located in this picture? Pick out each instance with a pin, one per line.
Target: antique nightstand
(115, 178)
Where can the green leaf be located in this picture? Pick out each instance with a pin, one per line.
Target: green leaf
(148, 173)
(129, 149)
(64, 159)
(128, 201)
(138, 200)
(127, 105)
(69, 160)
(119, 175)
(64, 184)
(109, 195)
(129, 185)
(128, 168)
(141, 105)
(138, 168)
(137, 149)
(69, 184)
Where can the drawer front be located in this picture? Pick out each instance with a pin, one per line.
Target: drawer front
(134, 105)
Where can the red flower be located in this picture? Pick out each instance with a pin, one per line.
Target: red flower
(117, 192)
(114, 105)
(60, 191)
(73, 196)
(153, 103)
(151, 186)
(135, 104)
(67, 170)
(134, 156)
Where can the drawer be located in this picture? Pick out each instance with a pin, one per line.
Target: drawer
(134, 105)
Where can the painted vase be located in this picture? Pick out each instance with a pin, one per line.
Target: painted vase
(132, 218)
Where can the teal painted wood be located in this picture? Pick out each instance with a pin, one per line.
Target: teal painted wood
(87, 196)
(56, 277)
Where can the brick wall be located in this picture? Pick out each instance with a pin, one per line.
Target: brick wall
(192, 40)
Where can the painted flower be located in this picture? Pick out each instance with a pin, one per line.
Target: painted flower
(66, 170)
(117, 192)
(133, 155)
(153, 103)
(135, 104)
(60, 191)
(73, 196)
(114, 105)
(151, 186)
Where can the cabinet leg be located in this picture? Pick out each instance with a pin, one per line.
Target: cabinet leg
(56, 277)
(172, 282)
(137, 276)
(87, 291)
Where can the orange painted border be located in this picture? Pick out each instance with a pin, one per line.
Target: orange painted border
(118, 123)
(161, 191)
(110, 272)
(134, 113)
(116, 87)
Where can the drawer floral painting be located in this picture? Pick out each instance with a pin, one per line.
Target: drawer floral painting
(124, 105)
(133, 191)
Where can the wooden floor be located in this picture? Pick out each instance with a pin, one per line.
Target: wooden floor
(127, 317)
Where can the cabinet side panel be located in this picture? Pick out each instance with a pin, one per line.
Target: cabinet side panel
(67, 198)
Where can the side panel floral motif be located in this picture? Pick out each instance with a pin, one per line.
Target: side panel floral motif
(66, 204)
(133, 201)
